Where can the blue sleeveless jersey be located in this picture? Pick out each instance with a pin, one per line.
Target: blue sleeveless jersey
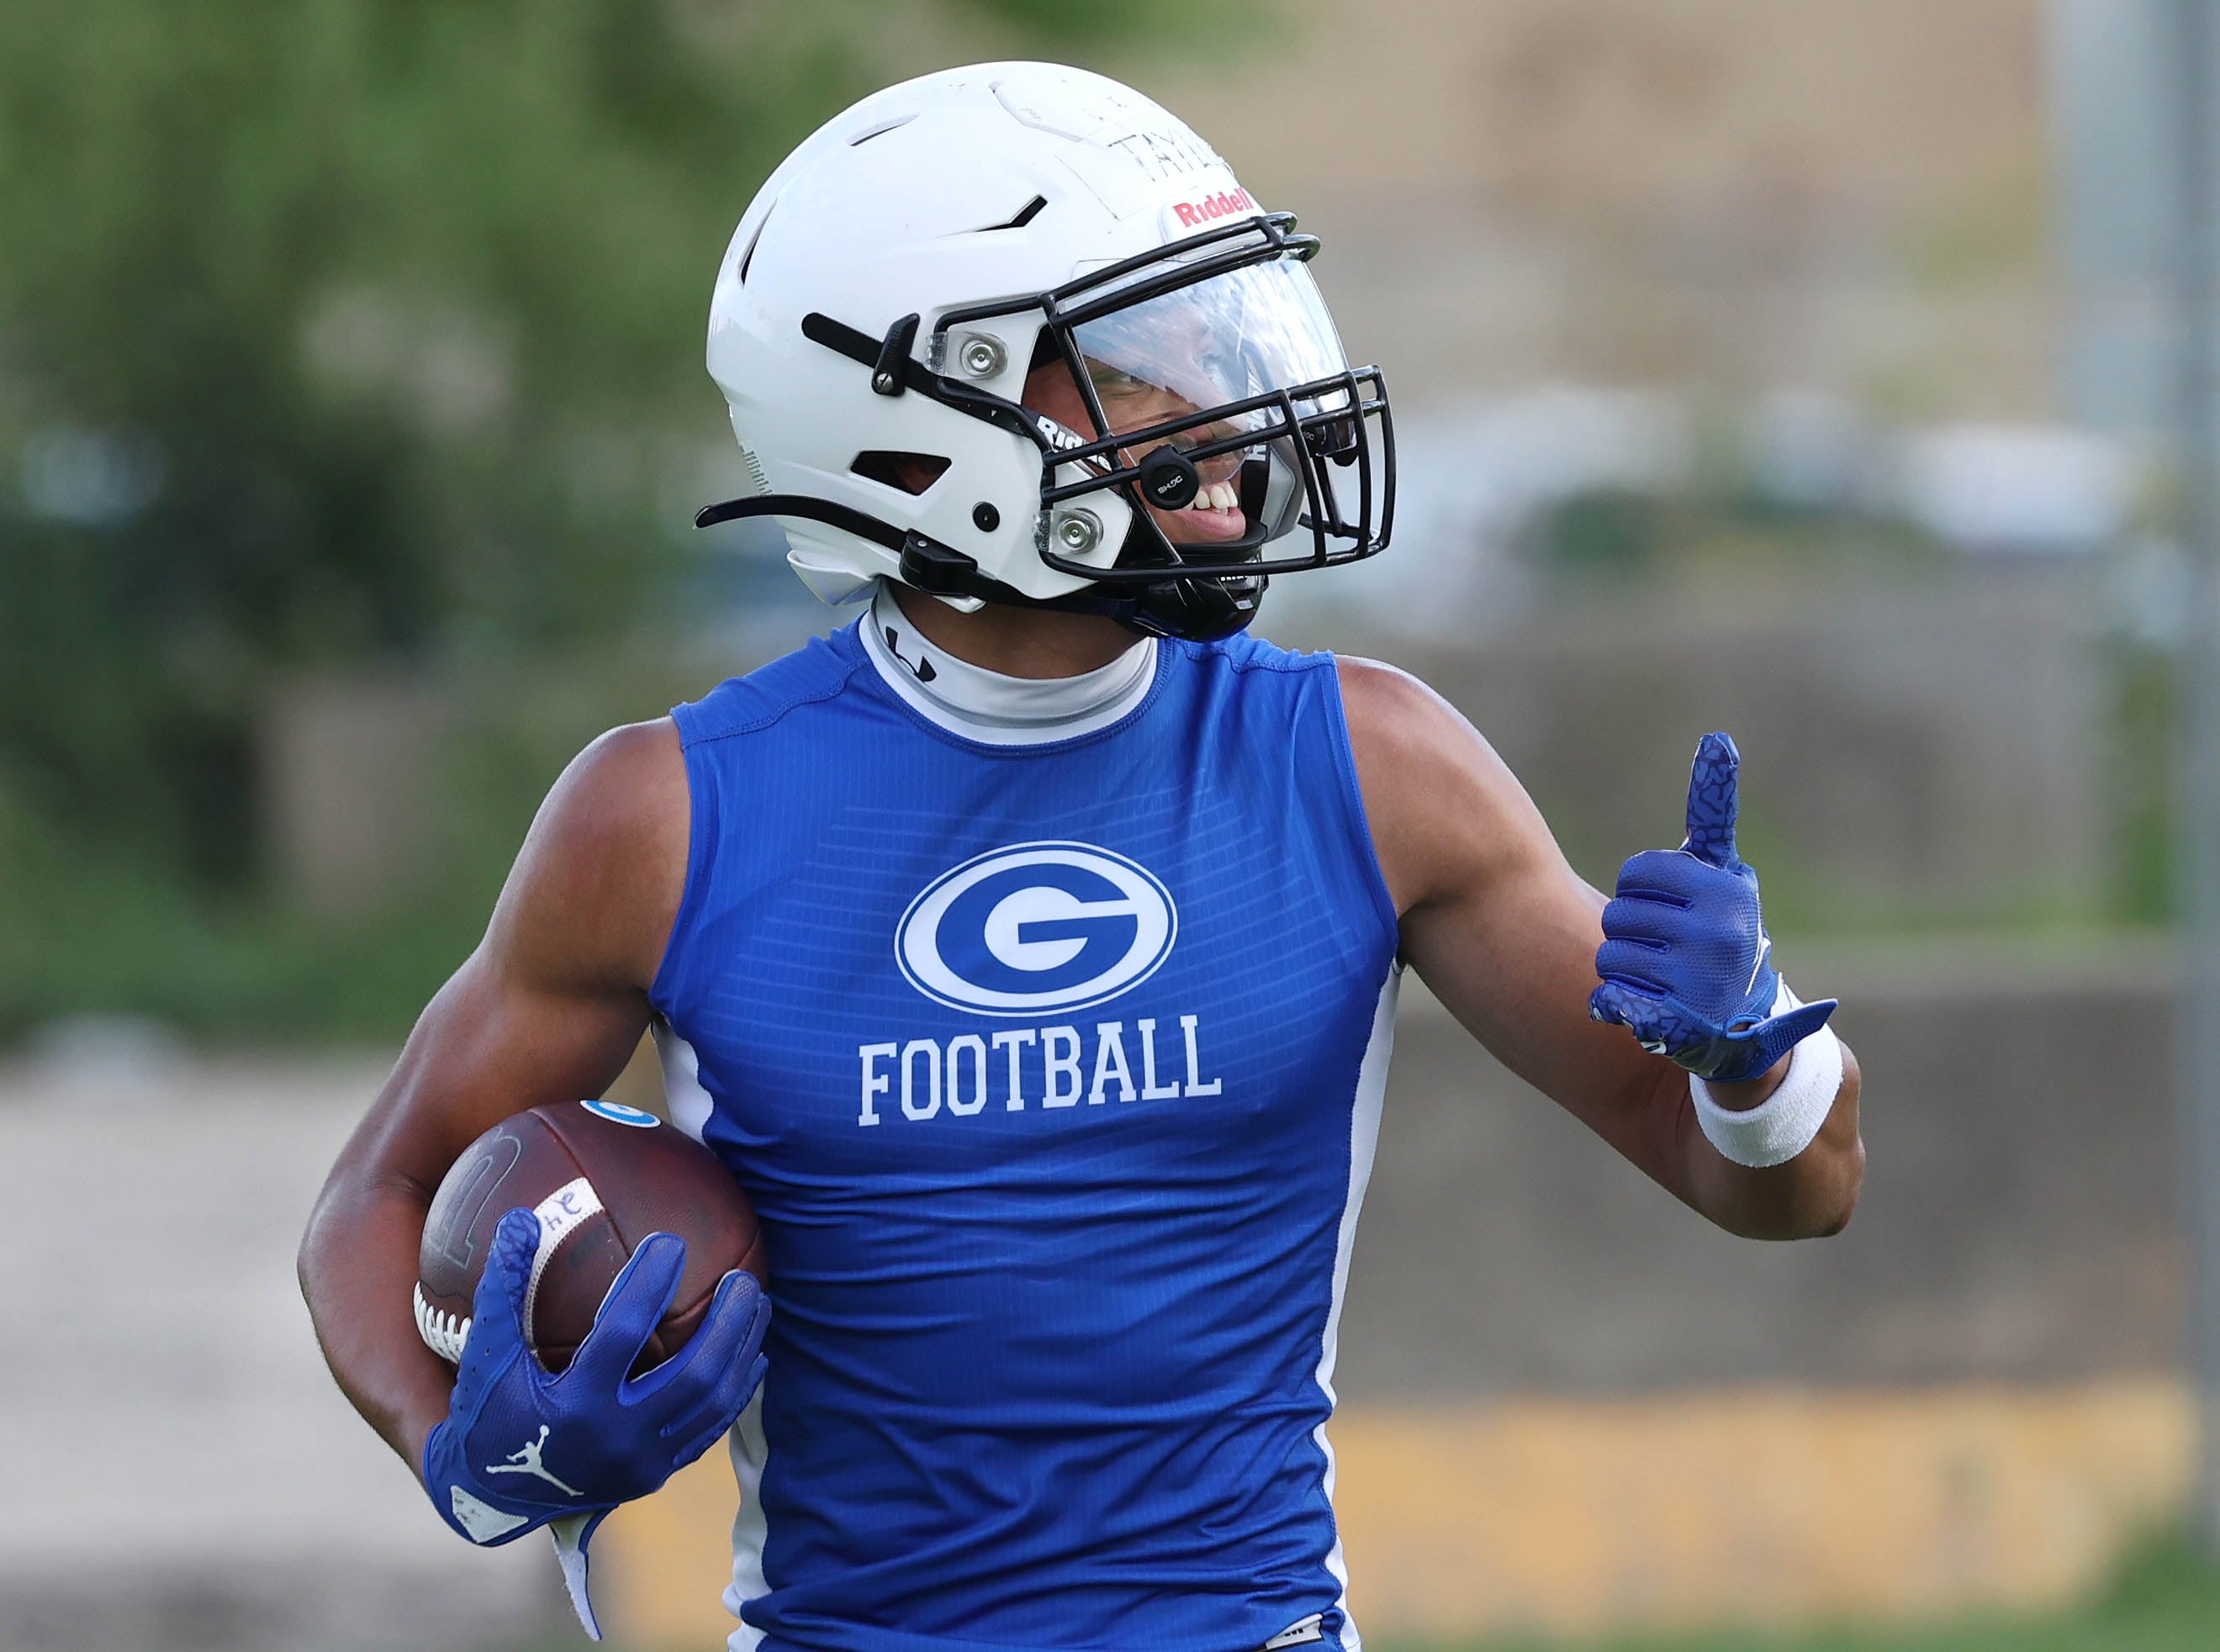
(1052, 1072)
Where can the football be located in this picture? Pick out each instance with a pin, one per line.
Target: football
(602, 1177)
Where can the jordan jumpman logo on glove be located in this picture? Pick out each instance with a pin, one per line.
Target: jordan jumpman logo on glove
(523, 1447)
(1686, 963)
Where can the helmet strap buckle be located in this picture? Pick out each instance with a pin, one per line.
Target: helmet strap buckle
(938, 569)
(889, 374)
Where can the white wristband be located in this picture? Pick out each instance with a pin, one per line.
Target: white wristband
(1784, 1123)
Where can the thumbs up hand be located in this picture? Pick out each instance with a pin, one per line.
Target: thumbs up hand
(1686, 963)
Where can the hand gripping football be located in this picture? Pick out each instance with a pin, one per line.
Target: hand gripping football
(601, 1177)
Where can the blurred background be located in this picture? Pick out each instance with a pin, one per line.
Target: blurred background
(1799, 368)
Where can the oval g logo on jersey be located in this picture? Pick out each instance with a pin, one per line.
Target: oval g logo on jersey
(1038, 926)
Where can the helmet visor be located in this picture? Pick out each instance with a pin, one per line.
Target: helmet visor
(1230, 338)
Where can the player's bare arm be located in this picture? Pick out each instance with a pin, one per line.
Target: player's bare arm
(1506, 934)
(549, 1008)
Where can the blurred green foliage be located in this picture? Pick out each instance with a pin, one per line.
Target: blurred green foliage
(89, 930)
(2143, 771)
(340, 331)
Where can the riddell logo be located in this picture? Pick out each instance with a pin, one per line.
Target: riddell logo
(1226, 204)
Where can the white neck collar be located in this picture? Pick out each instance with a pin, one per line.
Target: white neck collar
(988, 706)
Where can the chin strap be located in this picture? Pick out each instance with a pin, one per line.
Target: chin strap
(829, 512)
(1188, 609)
(926, 564)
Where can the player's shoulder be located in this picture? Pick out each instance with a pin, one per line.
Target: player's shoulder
(594, 888)
(1442, 805)
(818, 671)
(624, 792)
(1388, 709)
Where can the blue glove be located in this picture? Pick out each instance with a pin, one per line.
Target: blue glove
(520, 1449)
(1686, 962)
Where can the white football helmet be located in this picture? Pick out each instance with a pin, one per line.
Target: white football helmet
(931, 299)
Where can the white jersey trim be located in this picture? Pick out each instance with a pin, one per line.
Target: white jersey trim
(689, 1103)
(683, 1093)
(1364, 1139)
(751, 1530)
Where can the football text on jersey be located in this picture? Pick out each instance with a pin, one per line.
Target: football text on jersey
(1014, 1067)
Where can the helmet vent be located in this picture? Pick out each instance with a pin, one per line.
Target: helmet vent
(1024, 216)
(754, 241)
(910, 473)
(758, 484)
(880, 129)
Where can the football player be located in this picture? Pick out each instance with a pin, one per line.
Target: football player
(1028, 948)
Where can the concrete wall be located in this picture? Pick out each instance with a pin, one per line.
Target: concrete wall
(349, 799)
(1922, 755)
(2018, 1223)
(178, 1472)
